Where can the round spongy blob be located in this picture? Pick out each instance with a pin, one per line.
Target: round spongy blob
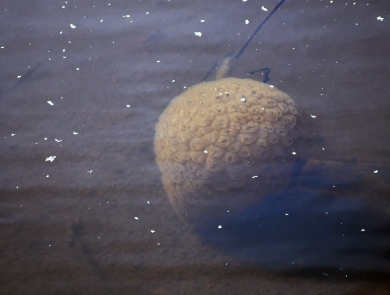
(229, 135)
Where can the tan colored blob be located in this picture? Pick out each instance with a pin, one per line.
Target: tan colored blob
(225, 135)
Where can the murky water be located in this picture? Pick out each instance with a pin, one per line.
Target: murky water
(83, 208)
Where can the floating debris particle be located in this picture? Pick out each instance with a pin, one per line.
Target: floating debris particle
(313, 116)
(219, 226)
(51, 158)
(128, 105)
(199, 34)
(136, 218)
(152, 231)
(89, 171)
(72, 26)
(376, 171)
(246, 21)
(75, 133)
(58, 140)
(50, 102)
(380, 18)
(263, 8)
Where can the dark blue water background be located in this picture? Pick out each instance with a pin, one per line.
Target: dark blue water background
(96, 220)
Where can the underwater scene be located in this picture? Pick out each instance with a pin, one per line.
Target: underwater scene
(195, 147)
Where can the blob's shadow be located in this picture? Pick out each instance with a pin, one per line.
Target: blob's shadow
(304, 228)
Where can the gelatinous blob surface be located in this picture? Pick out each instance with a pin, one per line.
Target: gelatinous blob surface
(250, 127)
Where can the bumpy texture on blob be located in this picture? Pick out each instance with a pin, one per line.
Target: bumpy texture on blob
(220, 135)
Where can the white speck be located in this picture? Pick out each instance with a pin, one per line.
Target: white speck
(244, 0)
(75, 133)
(50, 103)
(246, 21)
(202, 20)
(101, 20)
(128, 105)
(127, 15)
(19, 77)
(205, 151)
(199, 34)
(47, 176)
(60, 32)
(72, 26)
(362, 229)
(45, 138)
(326, 213)
(13, 134)
(58, 140)
(77, 69)
(2, 47)
(272, 86)
(263, 8)
(51, 158)
(147, 12)
(63, 50)
(152, 231)
(376, 171)
(148, 202)
(323, 149)
(17, 187)
(158, 244)
(286, 214)
(135, 217)
(380, 18)
(158, 61)
(64, 57)
(219, 226)
(173, 81)
(255, 176)
(334, 186)
(63, 7)
(294, 153)
(313, 116)
(243, 99)
(89, 171)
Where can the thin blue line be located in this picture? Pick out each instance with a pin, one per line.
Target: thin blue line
(238, 54)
